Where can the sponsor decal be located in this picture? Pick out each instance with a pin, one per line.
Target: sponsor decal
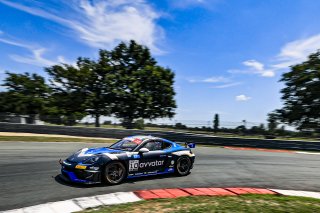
(135, 165)
(81, 167)
(151, 164)
(137, 140)
(133, 155)
(94, 168)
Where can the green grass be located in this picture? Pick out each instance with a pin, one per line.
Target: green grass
(54, 139)
(244, 203)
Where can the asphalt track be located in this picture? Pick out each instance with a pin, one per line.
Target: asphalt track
(29, 173)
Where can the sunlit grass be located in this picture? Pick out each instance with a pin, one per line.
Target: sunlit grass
(244, 203)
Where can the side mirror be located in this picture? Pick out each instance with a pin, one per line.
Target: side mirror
(143, 150)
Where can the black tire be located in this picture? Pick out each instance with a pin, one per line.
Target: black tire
(183, 166)
(114, 173)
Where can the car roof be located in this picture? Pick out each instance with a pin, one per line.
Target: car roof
(141, 137)
(146, 137)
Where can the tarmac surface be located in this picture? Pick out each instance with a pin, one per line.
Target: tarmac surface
(29, 172)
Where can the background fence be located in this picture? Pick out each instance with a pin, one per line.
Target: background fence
(176, 136)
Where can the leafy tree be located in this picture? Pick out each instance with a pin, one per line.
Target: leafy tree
(257, 129)
(139, 124)
(216, 122)
(261, 126)
(65, 107)
(26, 94)
(241, 129)
(3, 103)
(272, 122)
(125, 81)
(107, 123)
(301, 95)
(100, 85)
(68, 100)
(88, 85)
(180, 126)
(143, 88)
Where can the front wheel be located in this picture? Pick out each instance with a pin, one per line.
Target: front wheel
(183, 166)
(114, 173)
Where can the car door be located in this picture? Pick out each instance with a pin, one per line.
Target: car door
(154, 161)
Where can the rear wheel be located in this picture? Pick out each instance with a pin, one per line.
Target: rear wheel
(114, 173)
(183, 166)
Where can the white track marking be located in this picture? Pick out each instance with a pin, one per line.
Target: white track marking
(65, 206)
(109, 199)
(78, 204)
(297, 193)
(14, 211)
(308, 153)
(127, 197)
(39, 208)
(87, 202)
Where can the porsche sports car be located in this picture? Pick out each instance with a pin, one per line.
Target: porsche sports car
(131, 157)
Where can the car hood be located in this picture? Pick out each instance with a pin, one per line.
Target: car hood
(87, 153)
(99, 150)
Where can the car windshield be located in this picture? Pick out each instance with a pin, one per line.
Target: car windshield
(125, 144)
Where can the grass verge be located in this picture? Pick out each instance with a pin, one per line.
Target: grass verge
(53, 139)
(243, 203)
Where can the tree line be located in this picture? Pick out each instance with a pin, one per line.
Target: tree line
(301, 96)
(125, 82)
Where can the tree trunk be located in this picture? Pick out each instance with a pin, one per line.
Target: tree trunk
(31, 119)
(97, 121)
(128, 123)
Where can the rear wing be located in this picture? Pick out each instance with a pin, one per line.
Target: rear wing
(187, 145)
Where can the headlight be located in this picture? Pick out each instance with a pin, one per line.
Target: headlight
(91, 160)
(66, 163)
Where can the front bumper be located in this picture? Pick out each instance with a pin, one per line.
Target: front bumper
(72, 174)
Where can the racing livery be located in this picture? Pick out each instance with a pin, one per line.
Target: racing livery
(131, 157)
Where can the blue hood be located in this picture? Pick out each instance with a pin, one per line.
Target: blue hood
(83, 155)
(101, 150)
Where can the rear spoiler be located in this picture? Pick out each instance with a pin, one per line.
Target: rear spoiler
(187, 145)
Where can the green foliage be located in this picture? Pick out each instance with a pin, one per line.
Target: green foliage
(139, 124)
(180, 126)
(99, 88)
(83, 89)
(272, 122)
(143, 89)
(26, 94)
(257, 129)
(301, 95)
(125, 82)
(241, 129)
(216, 123)
(68, 100)
(107, 123)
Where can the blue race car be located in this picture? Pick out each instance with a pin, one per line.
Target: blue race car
(131, 157)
